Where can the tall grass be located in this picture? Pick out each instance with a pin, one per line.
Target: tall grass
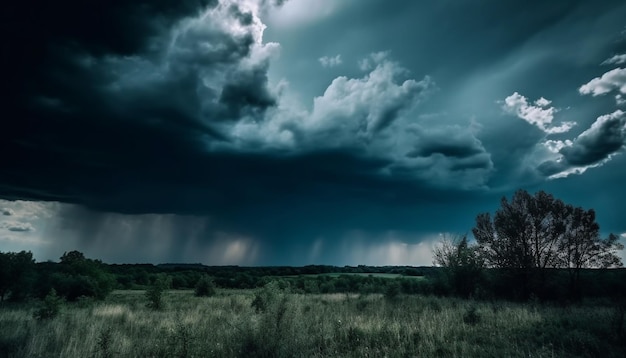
(297, 325)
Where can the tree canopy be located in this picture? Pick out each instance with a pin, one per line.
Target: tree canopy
(533, 232)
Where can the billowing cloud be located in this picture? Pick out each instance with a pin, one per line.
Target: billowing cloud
(537, 114)
(362, 107)
(7, 211)
(615, 60)
(605, 137)
(448, 155)
(370, 116)
(593, 147)
(162, 100)
(352, 112)
(330, 61)
(300, 13)
(183, 131)
(612, 80)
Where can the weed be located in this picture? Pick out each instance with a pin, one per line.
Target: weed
(471, 316)
(51, 306)
(103, 344)
(154, 293)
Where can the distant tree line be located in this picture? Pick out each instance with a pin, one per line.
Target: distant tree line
(535, 245)
(76, 276)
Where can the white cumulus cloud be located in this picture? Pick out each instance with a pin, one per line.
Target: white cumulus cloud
(612, 80)
(537, 114)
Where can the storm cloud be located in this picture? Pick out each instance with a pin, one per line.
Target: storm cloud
(259, 132)
(605, 138)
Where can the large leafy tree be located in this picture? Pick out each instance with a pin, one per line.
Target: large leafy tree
(16, 274)
(532, 233)
(80, 276)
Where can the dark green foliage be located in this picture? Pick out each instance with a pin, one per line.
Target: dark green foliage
(205, 287)
(104, 343)
(265, 297)
(76, 276)
(181, 341)
(16, 275)
(392, 291)
(50, 307)
(471, 316)
(154, 293)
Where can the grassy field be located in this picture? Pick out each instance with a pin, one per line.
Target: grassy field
(296, 325)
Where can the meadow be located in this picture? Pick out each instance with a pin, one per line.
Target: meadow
(272, 322)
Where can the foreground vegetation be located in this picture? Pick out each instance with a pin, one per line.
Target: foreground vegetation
(271, 322)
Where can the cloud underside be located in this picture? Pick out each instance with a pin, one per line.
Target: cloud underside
(593, 147)
(184, 108)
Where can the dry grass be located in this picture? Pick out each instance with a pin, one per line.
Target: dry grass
(334, 325)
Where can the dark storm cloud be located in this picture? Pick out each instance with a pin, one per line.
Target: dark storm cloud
(450, 144)
(137, 133)
(247, 93)
(552, 167)
(101, 27)
(278, 230)
(165, 122)
(95, 119)
(605, 137)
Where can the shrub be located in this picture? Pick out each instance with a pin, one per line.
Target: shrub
(205, 287)
(181, 341)
(392, 291)
(103, 348)
(471, 316)
(266, 296)
(154, 293)
(51, 306)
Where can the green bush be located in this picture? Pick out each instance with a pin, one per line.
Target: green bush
(471, 316)
(104, 343)
(154, 293)
(205, 287)
(51, 306)
(392, 291)
(264, 297)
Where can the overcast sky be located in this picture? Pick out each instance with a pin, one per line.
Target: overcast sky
(271, 132)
